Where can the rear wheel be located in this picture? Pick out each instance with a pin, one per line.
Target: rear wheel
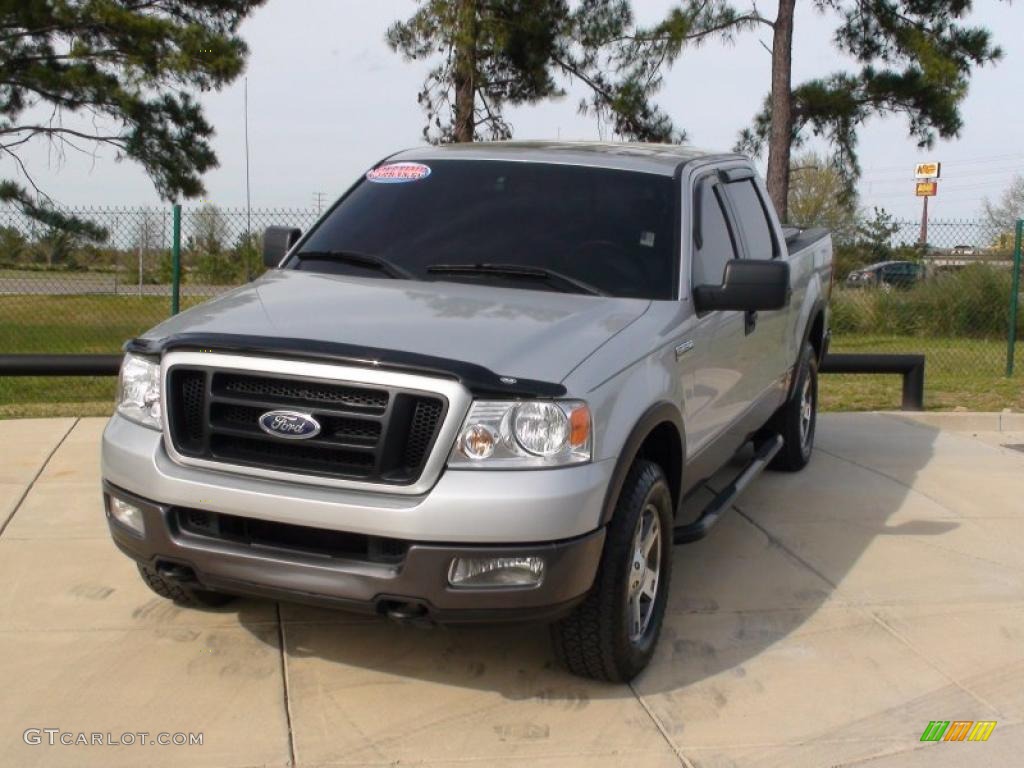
(612, 634)
(182, 595)
(797, 419)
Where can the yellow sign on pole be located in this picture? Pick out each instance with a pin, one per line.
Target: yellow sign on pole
(926, 188)
(927, 170)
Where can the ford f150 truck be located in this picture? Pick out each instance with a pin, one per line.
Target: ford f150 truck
(479, 388)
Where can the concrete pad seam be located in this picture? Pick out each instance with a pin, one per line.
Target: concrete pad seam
(883, 755)
(928, 541)
(877, 619)
(32, 483)
(944, 421)
(284, 683)
(485, 759)
(775, 541)
(875, 470)
(932, 663)
(683, 760)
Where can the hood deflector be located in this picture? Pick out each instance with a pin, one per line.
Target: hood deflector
(477, 379)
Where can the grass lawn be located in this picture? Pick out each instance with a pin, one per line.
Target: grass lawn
(960, 373)
(69, 324)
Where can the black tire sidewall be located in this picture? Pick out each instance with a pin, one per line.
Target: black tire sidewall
(645, 484)
(808, 369)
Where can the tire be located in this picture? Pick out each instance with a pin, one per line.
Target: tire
(601, 638)
(797, 420)
(186, 596)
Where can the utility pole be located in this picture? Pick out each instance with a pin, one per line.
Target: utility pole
(248, 198)
(926, 184)
(923, 240)
(319, 198)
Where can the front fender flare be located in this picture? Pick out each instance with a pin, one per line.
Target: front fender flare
(658, 413)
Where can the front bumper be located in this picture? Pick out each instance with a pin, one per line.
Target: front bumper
(420, 580)
(464, 506)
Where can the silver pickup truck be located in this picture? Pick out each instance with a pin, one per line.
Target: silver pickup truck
(480, 388)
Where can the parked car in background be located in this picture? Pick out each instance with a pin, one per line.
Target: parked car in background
(887, 275)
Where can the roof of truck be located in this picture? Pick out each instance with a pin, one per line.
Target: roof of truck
(627, 156)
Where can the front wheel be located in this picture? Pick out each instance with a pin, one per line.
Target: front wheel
(797, 419)
(612, 634)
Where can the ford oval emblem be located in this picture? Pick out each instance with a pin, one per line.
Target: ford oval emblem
(290, 425)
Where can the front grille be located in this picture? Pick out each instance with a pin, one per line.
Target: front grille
(367, 433)
(301, 539)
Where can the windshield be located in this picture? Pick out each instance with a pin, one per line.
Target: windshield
(608, 229)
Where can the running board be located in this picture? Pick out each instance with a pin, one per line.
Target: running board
(764, 452)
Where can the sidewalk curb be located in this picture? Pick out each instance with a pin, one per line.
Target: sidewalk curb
(958, 421)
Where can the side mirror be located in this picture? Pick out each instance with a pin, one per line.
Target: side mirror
(749, 285)
(276, 243)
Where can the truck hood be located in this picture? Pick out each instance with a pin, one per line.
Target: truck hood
(530, 334)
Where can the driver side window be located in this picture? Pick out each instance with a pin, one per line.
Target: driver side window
(716, 246)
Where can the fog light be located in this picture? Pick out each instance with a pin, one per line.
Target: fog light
(496, 571)
(127, 514)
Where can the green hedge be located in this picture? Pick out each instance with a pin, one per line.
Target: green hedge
(973, 302)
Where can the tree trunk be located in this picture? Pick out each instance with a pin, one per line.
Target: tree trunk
(780, 138)
(465, 72)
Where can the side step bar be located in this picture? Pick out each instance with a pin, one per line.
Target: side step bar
(764, 452)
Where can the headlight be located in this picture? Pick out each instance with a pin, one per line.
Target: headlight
(138, 391)
(533, 433)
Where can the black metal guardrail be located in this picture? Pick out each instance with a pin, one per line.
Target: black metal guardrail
(60, 365)
(910, 367)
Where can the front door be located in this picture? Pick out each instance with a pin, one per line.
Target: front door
(710, 359)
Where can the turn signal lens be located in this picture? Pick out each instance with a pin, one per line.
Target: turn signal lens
(579, 426)
(478, 442)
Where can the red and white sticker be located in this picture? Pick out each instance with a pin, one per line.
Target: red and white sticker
(398, 173)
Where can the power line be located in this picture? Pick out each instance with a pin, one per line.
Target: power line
(968, 161)
(948, 173)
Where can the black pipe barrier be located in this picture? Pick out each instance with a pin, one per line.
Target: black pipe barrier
(60, 365)
(911, 367)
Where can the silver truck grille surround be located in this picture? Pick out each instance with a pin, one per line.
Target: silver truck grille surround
(358, 404)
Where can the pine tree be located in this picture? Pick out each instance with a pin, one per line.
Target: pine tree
(128, 67)
(489, 54)
(914, 58)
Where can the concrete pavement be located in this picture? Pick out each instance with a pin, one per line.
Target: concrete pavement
(825, 621)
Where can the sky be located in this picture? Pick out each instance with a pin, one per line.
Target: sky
(327, 98)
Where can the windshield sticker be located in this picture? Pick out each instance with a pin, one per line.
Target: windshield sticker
(398, 173)
(647, 239)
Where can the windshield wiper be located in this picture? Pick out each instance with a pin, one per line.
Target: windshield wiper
(517, 270)
(361, 259)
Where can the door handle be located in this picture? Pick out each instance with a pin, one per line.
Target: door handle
(682, 349)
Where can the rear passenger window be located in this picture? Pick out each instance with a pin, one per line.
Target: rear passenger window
(716, 246)
(753, 221)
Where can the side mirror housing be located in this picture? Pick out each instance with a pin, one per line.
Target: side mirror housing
(276, 243)
(749, 285)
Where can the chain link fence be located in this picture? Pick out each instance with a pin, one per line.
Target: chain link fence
(62, 293)
(950, 300)
(65, 293)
